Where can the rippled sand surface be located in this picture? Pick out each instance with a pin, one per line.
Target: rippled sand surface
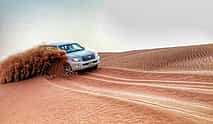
(118, 94)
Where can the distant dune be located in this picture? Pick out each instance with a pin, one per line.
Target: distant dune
(189, 58)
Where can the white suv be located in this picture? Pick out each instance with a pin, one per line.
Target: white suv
(78, 57)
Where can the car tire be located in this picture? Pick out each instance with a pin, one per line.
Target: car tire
(67, 69)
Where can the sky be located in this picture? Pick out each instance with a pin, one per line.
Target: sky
(105, 25)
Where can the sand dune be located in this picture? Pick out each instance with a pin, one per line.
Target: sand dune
(190, 58)
(135, 87)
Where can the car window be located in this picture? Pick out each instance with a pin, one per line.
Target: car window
(71, 47)
(76, 46)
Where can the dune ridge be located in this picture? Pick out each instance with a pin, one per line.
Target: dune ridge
(189, 58)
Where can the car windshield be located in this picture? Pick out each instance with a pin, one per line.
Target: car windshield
(71, 47)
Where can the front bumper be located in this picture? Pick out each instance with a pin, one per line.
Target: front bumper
(76, 66)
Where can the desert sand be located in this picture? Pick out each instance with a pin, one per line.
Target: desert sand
(159, 86)
(189, 58)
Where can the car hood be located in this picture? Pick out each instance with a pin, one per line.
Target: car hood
(80, 53)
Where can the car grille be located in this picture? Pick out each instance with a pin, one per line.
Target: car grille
(90, 62)
(88, 57)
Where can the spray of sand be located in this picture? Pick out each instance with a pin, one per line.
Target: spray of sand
(38, 61)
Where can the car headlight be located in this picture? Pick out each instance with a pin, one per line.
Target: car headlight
(76, 59)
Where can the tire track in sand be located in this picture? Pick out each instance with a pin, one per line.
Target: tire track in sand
(133, 98)
(197, 90)
(176, 76)
(192, 84)
(92, 82)
(148, 80)
(158, 97)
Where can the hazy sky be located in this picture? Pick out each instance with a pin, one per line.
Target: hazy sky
(105, 25)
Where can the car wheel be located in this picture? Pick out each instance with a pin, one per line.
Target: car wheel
(67, 69)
